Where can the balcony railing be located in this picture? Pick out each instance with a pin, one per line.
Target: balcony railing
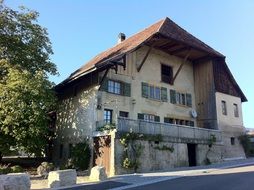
(180, 132)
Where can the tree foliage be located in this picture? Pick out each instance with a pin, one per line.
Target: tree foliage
(26, 94)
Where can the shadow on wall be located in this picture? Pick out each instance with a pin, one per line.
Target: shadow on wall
(76, 116)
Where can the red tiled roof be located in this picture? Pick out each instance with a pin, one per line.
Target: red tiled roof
(165, 27)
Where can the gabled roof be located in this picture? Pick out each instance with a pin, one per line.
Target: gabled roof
(166, 28)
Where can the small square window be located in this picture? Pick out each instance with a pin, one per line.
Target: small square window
(124, 114)
(232, 140)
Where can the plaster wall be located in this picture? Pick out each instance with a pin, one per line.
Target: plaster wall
(151, 74)
(231, 126)
(76, 118)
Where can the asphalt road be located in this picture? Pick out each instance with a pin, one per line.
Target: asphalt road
(240, 178)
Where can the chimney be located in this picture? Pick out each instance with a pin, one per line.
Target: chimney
(121, 37)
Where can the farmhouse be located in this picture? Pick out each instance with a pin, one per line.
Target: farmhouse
(156, 100)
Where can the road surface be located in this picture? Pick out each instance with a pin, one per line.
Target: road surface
(240, 178)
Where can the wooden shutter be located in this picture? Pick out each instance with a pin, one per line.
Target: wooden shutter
(144, 90)
(104, 85)
(172, 96)
(141, 116)
(189, 100)
(127, 89)
(157, 118)
(164, 94)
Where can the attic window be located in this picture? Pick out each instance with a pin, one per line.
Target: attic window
(166, 74)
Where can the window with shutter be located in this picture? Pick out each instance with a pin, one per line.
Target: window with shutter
(189, 100)
(104, 85)
(127, 89)
(172, 96)
(164, 94)
(144, 90)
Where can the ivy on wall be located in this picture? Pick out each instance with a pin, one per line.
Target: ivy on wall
(133, 150)
(211, 142)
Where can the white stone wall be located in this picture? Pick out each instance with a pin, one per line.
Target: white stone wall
(76, 120)
(230, 125)
(152, 159)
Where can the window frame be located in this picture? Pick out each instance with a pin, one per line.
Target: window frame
(123, 112)
(167, 77)
(114, 87)
(223, 107)
(108, 118)
(232, 140)
(236, 110)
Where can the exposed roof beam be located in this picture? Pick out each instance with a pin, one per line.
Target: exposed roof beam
(186, 48)
(104, 76)
(145, 57)
(179, 69)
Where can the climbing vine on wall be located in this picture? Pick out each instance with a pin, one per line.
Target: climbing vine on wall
(211, 142)
(133, 150)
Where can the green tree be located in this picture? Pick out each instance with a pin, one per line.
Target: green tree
(26, 94)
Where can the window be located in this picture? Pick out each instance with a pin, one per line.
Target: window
(154, 92)
(178, 121)
(108, 116)
(166, 74)
(236, 112)
(232, 140)
(180, 98)
(114, 87)
(123, 114)
(148, 117)
(224, 107)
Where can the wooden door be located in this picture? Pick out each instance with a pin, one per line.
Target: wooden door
(102, 151)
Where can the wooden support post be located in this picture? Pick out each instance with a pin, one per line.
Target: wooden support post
(180, 68)
(102, 79)
(144, 59)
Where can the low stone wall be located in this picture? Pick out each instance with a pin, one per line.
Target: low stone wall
(15, 181)
(62, 178)
(155, 155)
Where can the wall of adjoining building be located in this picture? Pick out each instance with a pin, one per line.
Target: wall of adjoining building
(231, 126)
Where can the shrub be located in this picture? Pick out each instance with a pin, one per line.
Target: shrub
(16, 169)
(5, 169)
(248, 148)
(80, 155)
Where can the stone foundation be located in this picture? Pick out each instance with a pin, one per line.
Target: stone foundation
(154, 158)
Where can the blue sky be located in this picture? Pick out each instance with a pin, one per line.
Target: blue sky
(81, 29)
